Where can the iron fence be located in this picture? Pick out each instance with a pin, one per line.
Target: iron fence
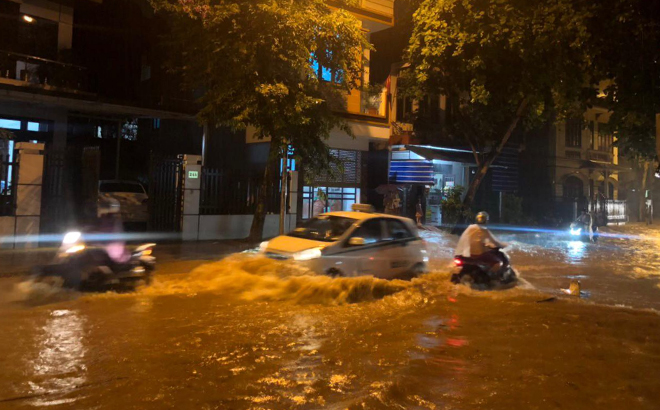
(228, 193)
(615, 211)
(165, 193)
(8, 179)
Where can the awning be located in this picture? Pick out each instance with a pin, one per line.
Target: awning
(443, 154)
(603, 166)
(411, 172)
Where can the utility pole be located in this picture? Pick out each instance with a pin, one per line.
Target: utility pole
(119, 129)
(657, 143)
(284, 169)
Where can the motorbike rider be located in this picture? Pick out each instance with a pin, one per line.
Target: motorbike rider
(478, 243)
(586, 220)
(110, 223)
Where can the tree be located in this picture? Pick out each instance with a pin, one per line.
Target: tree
(504, 65)
(261, 63)
(630, 34)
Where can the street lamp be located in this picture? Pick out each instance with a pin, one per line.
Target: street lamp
(28, 19)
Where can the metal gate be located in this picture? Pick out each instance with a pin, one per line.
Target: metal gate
(55, 213)
(165, 193)
(8, 179)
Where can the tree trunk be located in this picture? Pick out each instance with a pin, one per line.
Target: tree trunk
(257, 228)
(484, 166)
(283, 189)
(641, 216)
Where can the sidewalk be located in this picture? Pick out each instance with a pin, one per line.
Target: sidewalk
(20, 262)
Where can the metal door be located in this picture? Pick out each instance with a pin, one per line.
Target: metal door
(165, 193)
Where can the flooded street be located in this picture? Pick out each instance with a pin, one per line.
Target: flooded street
(250, 333)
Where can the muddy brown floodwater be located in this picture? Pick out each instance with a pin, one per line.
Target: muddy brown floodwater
(249, 333)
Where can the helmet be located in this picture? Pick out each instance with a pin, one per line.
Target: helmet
(482, 218)
(108, 206)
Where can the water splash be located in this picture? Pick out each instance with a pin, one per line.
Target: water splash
(251, 277)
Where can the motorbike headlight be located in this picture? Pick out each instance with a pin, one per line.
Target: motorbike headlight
(307, 254)
(71, 237)
(576, 231)
(75, 249)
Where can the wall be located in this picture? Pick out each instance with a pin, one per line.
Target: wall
(216, 227)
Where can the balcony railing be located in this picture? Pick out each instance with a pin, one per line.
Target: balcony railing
(24, 70)
(374, 103)
(600, 156)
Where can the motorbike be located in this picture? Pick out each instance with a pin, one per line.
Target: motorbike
(82, 266)
(476, 273)
(578, 231)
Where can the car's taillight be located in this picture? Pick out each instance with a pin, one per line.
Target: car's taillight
(458, 262)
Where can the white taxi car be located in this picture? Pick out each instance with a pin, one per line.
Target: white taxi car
(354, 244)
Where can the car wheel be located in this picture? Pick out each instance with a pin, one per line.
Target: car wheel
(414, 272)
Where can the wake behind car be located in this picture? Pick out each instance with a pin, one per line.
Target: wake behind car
(354, 243)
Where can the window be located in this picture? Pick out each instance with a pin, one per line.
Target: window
(325, 74)
(403, 108)
(605, 142)
(370, 231)
(317, 200)
(350, 172)
(574, 133)
(324, 228)
(397, 230)
(429, 109)
(10, 124)
(573, 188)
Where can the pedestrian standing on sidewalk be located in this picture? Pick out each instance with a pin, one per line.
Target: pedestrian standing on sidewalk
(419, 213)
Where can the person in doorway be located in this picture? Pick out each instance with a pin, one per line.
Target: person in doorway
(478, 243)
(319, 203)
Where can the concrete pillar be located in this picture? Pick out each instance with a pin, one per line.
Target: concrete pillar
(192, 184)
(60, 130)
(28, 194)
(292, 215)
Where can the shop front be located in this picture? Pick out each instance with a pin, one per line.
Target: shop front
(424, 176)
(335, 191)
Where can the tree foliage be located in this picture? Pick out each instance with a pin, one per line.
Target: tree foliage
(630, 35)
(251, 60)
(502, 64)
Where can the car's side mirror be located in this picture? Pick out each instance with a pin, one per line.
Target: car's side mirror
(356, 241)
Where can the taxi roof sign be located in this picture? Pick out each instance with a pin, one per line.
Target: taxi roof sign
(366, 208)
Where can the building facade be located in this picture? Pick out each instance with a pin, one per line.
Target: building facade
(367, 114)
(573, 165)
(83, 78)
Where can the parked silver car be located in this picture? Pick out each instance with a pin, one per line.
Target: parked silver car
(132, 198)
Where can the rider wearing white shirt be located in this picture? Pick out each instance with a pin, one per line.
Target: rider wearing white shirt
(478, 243)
